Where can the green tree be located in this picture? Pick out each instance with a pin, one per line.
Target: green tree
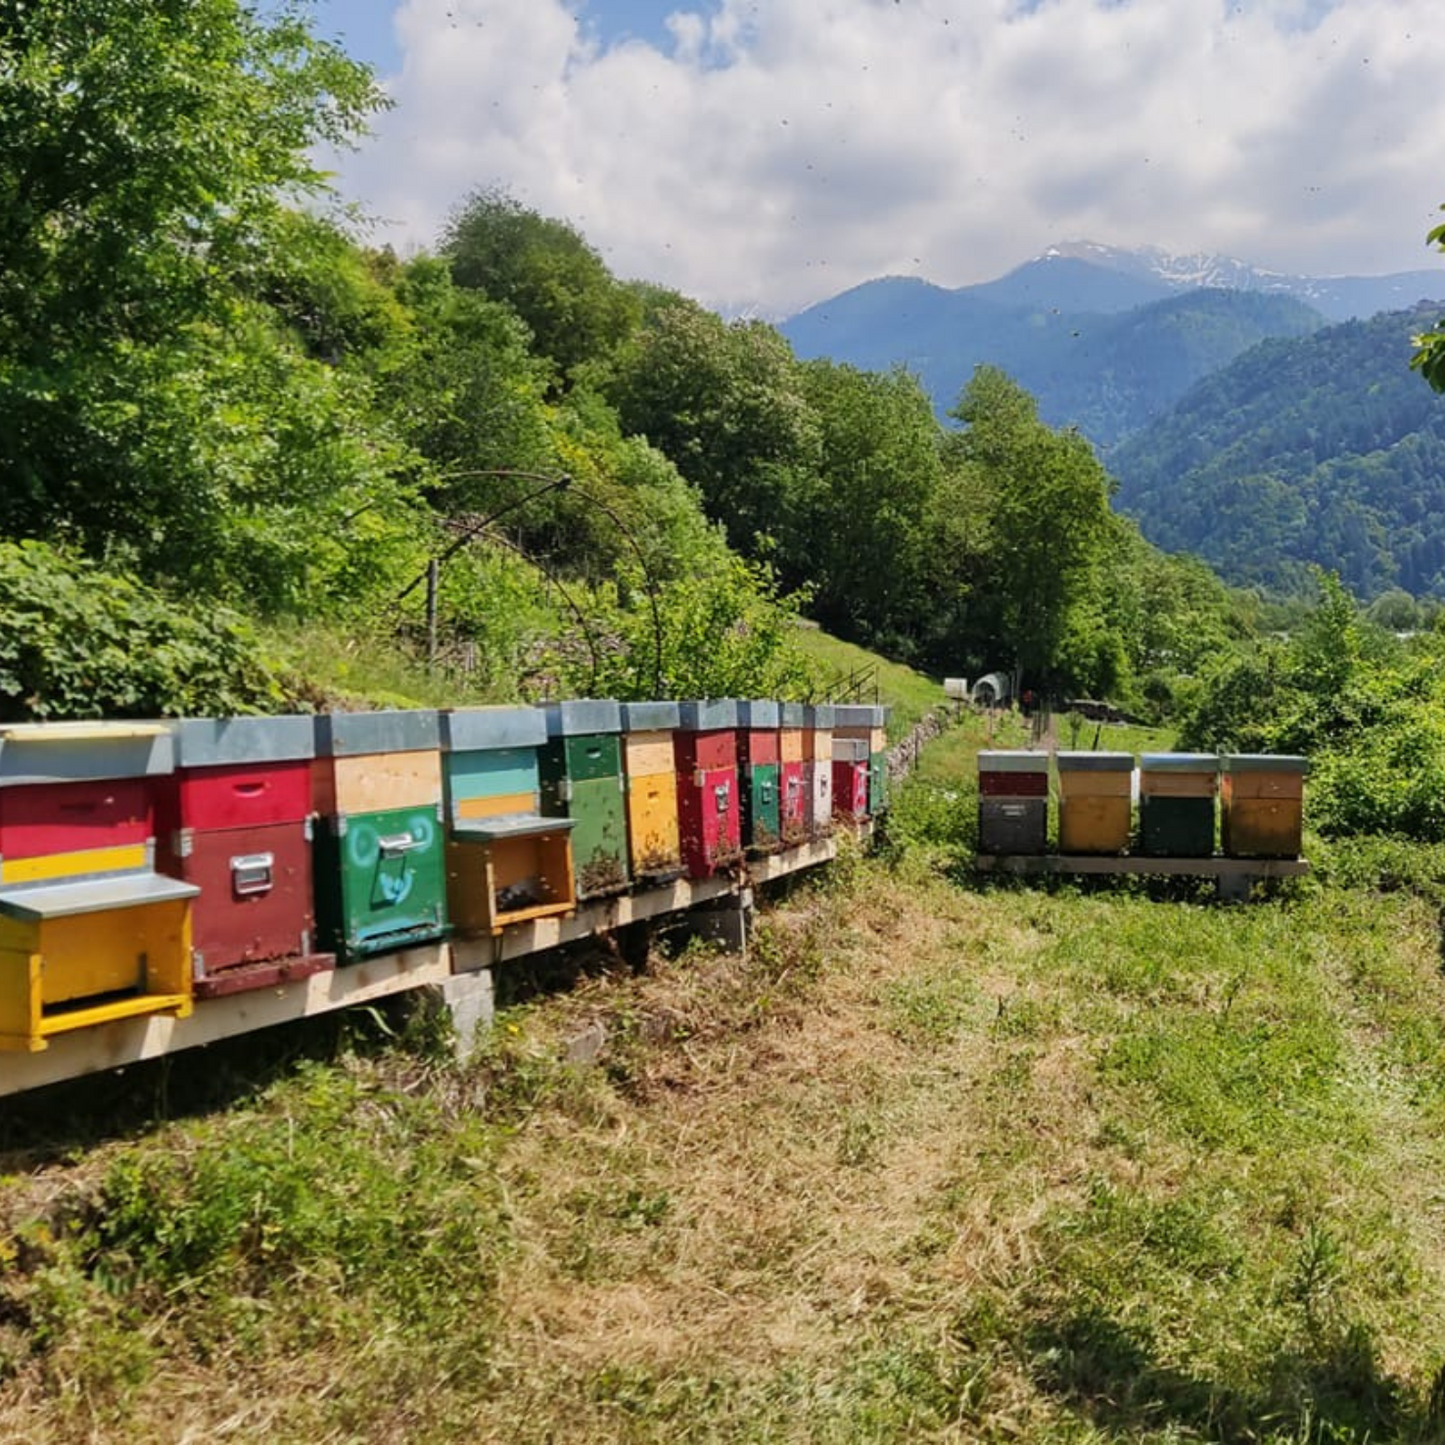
(857, 528)
(1050, 525)
(156, 405)
(546, 272)
(726, 402)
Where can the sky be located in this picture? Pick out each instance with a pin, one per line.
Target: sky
(762, 155)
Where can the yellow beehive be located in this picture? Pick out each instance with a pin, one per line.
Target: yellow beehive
(74, 955)
(1095, 802)
(1262, 805)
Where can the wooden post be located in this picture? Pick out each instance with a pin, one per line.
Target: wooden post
(433, 580)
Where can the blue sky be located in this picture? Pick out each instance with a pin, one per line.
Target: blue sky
(365, 25)
(761, 155)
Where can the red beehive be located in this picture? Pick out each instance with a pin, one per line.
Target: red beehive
(236, 821)
(850, 778)
(709, 811)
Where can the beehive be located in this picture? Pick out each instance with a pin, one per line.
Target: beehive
(235, 819)
(705, 751)
(1176, 804)
(793, 799)
(654, 840)
(759, 775)
(505, 861)
(850, 779)
(89, 933)
(818, 768)
(1095, 801)
(1262, 805)
(380, 858)
(581, 767)
(1013, 802)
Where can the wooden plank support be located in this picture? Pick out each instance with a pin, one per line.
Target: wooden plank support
(129, 1041)
(605, 914)
(1137, 864)
(122, 1041)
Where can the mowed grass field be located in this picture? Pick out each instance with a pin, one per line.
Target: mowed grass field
(935, 1161)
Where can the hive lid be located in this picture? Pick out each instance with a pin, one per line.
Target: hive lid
(507, 825)
(1264, 763)
(478, 729)
(711, 715)
(73, 752)
(859, 715)
(203, 742)
(757, 714)
(1069, 762)
(793, 715)
(649, 717)
(349, 734)
(1179, 762)
(38, 902)
(1012, 760)
(583, 716)
(818, 715)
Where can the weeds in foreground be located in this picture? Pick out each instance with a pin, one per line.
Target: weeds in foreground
(929, 1164)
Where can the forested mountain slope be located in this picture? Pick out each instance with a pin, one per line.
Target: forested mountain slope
(1107, 370)
(1325, 449)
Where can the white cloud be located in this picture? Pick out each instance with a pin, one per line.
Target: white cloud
(781, 150)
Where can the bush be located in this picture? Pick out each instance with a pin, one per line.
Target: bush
(81, 641)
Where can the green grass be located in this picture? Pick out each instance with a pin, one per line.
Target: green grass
(910, 694)
(1076, 1164)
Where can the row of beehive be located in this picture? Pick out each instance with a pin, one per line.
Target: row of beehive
(1260, 800)
(142, 865)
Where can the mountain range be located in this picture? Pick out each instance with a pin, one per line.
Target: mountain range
(1106, 338)
(1267, 422)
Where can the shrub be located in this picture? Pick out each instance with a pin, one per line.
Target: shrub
(81, 641)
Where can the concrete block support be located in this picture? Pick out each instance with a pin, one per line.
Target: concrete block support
(469, 999)
(726, 921)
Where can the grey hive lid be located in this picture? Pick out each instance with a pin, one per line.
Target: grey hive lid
(479, 729)
(649, 717)
(860, 715)
(37, 902)
(583, 716)
(1264, 763)
(710, 715)
(203, 742)
(73, 752)
(508, 825)
(1179, 762)
(348, 734)
(1083, 762)
(793, 715)
(818, 715)
(1012, 760)
(758, 714)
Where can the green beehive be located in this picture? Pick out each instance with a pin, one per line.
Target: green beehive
(763, 819)
(877, 783)
(582, 779)
(1176, 804)
(380, 880)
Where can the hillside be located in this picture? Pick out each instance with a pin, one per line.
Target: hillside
(1106, 370)
(1325, 449)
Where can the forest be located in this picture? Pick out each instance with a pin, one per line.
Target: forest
(238, 431)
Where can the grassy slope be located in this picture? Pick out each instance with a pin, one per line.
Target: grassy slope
(344, 668)
(934, 1162)
(910, 694)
